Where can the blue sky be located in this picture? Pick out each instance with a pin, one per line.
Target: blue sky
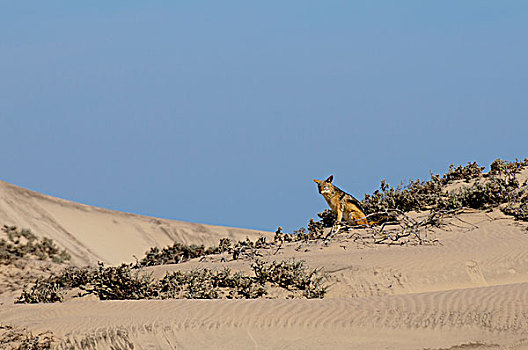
(224, 112)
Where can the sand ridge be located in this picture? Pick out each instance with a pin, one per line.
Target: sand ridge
(94, 234)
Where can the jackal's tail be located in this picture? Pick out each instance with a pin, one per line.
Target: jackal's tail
(378, 218)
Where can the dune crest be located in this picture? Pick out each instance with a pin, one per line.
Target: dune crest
(92, 234)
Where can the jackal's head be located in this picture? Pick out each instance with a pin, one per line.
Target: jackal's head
(325, 187)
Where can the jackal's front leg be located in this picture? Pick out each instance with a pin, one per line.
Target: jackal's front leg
(337, 223)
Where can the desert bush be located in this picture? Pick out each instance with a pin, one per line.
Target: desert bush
(433, 195)
(291, 275)
(467, 172)
(225, 245)
(503, 167)
(482, 195)
(125, 283)
(45, 290)
(328, 218)
(416, 195)
(517, 210)
(175, 254)
(22, 243)
(51, 289)
(108, 283)
(244, 287)
(248, 248)
(209, 284)
(189, 285)
(118, 283)
(314, 231)
(178, 253)
(12, 338)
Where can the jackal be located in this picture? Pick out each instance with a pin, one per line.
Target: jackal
(343, 204)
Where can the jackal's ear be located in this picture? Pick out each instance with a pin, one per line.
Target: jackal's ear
(317, 181)
(330, 178)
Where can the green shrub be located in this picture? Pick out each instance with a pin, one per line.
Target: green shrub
(207, 284)
(225, 245)
(51, 289)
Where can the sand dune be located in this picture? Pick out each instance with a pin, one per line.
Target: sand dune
(488, 316)
(94, 234)
(469, 290)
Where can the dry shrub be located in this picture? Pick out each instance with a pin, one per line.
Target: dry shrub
(248, 248)
(467, 172)
(44, 290)
(23, 243)
(499, 187)
(178, 253)
(12, 338)
(518, 210)
(416, 195)
(175, 254)
(291, 275)
(108, 283)
(119, 283)
(482, 195)
(503, 167)
(124, 283)
(209, 284)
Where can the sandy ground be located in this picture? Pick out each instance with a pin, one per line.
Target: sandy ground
(468, 291)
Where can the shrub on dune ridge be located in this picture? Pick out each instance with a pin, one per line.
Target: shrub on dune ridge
(482, 195)
(178, 253)
(496, 187)
(467, 172)
(502, 167)
(175, 254)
